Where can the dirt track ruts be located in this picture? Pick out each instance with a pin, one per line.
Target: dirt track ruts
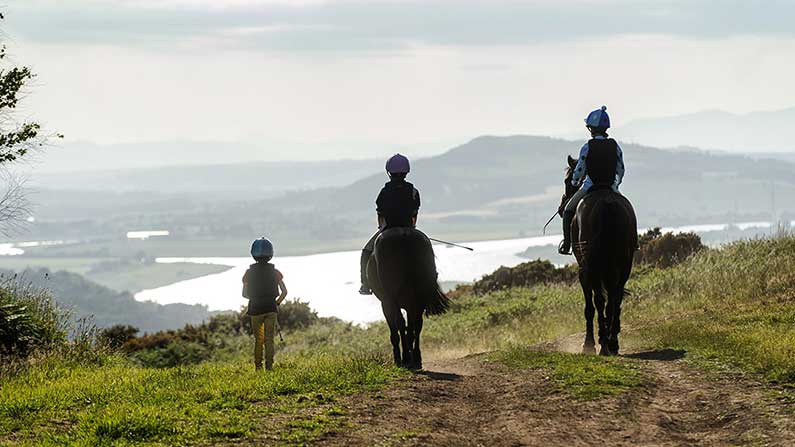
(472, 402)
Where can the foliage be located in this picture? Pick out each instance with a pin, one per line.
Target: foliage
(666, 250)
(29, 319)
(526, 274)
(108, 307)
(296, 314)
(732, 306)
(116, 335)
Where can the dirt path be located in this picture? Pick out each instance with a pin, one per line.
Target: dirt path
(472, 401)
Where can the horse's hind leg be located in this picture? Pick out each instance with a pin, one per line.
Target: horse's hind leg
(604, 333)
(615, 299)
(415, 327)
(589, 346)
(391, 314)
(405, 340)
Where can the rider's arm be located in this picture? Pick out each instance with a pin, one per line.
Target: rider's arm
(619, 166)
(283, 294)
(580, 170)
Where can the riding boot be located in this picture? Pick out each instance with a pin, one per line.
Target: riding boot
(365, 259)
(565, 245)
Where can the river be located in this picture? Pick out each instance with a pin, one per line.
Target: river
(329, 282)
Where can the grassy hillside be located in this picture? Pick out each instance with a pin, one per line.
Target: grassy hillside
(106, 307)
(729, 308)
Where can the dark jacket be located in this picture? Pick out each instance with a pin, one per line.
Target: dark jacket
(398, 202)
(262, 288)
(601, 161)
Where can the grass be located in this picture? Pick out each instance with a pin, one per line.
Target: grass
(585, 377)
(125, 405)
(733, 307)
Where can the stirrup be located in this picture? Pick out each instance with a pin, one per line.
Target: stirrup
(564, 248)
(364, 290)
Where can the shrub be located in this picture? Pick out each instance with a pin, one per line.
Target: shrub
(117, 335)
(526, 274)
(29, 319)
(666, 250)
(296, 314)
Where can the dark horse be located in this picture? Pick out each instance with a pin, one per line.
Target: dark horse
(604, 236)
(402, 274)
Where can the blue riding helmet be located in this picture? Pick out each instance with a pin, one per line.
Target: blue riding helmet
(598, 118)
(262, 248)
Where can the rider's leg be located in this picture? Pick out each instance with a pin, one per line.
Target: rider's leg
(568, 216)
(367, 251)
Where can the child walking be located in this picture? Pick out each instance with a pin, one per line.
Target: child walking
(264, 287)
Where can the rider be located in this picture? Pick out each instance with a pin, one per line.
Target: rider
(601, 163)
(264, 287)
(397, 205)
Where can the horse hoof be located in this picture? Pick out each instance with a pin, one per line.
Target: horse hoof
(588, 349)
(604, 350)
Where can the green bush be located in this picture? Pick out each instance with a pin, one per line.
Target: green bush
(666, 250)
(29, 319)
(526, 274)
(296, 314)
(117, 335)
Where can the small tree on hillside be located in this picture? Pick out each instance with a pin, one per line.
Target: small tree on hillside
(17, 138)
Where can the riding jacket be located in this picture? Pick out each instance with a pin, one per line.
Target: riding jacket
(601, 162)
(398, 203)
(262, 287)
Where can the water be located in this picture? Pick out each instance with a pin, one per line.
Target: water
(329, 282)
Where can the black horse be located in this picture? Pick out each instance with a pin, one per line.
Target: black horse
(402, 274)
(604, 236)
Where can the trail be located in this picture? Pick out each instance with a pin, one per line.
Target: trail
(472, 401)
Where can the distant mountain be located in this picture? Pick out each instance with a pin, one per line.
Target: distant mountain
(717, 130)
(490, 187)
(519, 179)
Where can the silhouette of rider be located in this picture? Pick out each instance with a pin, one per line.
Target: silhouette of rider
(601, 163)
(397, 205)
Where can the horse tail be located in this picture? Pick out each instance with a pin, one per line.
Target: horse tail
(425, 276)
(607, 252)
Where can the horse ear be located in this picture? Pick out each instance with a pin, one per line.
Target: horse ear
(572, 162)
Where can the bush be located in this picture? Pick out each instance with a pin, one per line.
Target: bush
(117, 335)
(526, 274)
(666, 250)
(296, 314)
(29, 319)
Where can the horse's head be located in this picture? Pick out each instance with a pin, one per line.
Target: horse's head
(568, 188)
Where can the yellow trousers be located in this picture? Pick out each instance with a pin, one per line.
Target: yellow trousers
(264, 327)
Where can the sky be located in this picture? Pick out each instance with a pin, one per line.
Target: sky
(337, 78)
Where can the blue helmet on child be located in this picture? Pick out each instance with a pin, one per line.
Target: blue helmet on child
(398, 164)
(598, 118)
(262, 248)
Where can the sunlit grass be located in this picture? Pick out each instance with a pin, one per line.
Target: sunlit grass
(581, 376)
(122, 403)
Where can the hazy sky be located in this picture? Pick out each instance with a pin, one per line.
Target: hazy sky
(351, 73)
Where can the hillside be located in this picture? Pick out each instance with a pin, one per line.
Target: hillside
(707, 361)
(518, 179)
(489, 188)
(107, 307)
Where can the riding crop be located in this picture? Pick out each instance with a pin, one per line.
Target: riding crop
(450, 243)
(544, 231)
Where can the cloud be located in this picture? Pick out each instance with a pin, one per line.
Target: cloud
(307, 25)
